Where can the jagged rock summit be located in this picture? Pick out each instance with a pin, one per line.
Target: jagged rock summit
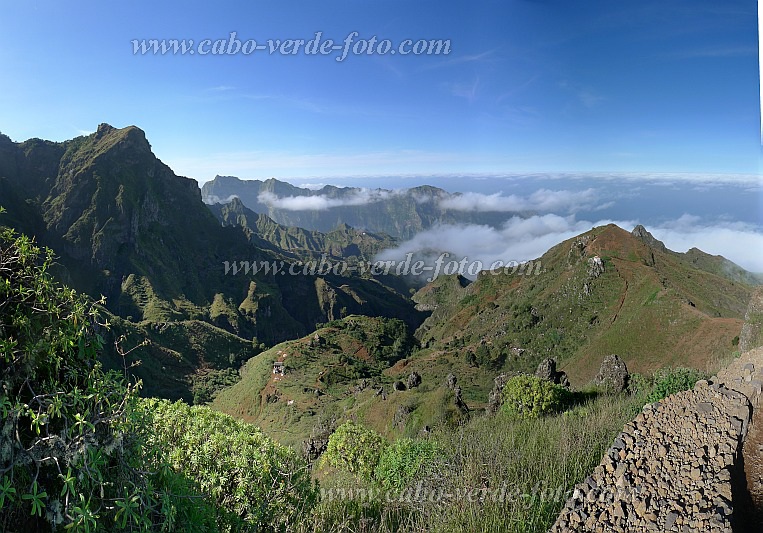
(640, 232)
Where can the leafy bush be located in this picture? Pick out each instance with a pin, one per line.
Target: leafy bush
(668, 381)
(639, 384)
(405, 459)
(248, 476)
(80, 450)
(354, 448)
(70, 451)
(526, 396)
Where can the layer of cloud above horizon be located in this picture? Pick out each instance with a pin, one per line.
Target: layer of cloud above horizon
(525, 239)
(540, 201)
(320, 202)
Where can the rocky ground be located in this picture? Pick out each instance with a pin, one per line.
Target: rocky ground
(669, 470)
(745, 375)
(692, 462)
(752, 519)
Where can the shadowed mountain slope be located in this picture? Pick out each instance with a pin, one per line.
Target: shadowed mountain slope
(126, 227)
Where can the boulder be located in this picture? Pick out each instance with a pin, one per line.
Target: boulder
(414, 380)
(613, 375)
(547, 371)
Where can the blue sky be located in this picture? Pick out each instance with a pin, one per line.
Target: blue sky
(529, 86)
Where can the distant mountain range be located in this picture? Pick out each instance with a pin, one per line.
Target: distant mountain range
(341, 243)
(400, 213)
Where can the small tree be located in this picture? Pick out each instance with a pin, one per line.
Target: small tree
(354, 448)
(252, 481)
(669, 381)
(70, 454)
(526, 396)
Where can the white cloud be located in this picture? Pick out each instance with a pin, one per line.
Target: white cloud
(519, 239)
(214, 199)
(468, 91)
(321, 202)
(542, 200)
(740, 242)
(313, 186)
(421, 198)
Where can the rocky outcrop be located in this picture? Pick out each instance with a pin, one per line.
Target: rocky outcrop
(641, 233)
(494, 398)
(414, 380)
(595, 267)
(400, 418)
(313, 447)
(547, 370)
(451, 382)
(613, 374)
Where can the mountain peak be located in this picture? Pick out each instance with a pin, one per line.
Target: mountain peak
(640, 232)
(104, 129)
(129, 137)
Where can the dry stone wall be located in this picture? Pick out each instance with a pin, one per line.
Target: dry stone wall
(669, 470)
(676, 466)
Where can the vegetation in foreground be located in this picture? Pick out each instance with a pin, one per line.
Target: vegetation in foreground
(79, 450)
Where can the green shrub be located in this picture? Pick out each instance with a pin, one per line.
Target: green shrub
(640, 384)
(70, 449)
(669, 381)
(354, 448)
(251, 478)
(80, 450)
(405, 459)
(526, 396)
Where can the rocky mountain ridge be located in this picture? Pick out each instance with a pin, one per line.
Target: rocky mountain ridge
(399, 213)
(341, 243)
(126, 227)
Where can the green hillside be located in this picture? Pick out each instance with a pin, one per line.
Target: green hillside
(650, 306)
